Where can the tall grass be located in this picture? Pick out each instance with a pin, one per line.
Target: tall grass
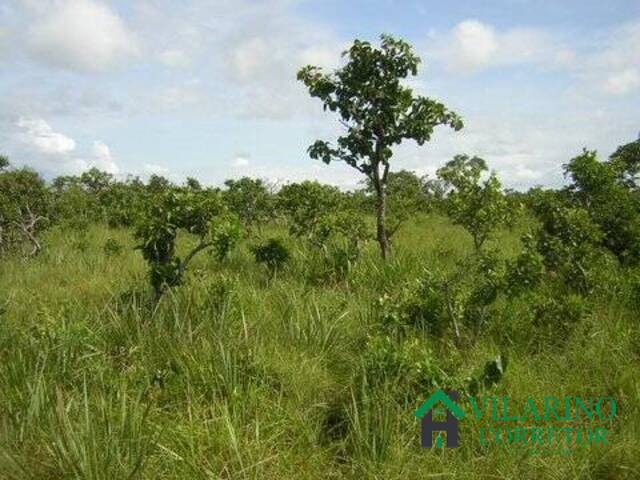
(239, 375)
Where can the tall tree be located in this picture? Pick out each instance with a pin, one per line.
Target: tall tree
(377, 111)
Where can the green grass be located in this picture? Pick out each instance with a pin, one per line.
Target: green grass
(237, 375)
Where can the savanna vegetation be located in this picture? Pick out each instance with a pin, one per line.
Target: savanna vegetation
(150, 330)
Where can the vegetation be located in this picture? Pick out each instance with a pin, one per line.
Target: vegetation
(377, 112)
(294, 349)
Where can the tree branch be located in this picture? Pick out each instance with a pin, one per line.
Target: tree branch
(198, 248)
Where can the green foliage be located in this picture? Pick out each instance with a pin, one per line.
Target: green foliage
(193, 184)
(441, 301)
(112, 247)
(305, 203)
(568, 240)
(98, 382)
(407, 193)
(555, 316)
(377, 110)
(200, 213)
(609, 193)
(492, 373)
(409, 366)
(480, 207)
(249, 199)
(273, 253)
(4, 162)
(225, 235)
(340, 236)
(24, 209)
(527, 270)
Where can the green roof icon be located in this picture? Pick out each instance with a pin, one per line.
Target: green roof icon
(439, 397)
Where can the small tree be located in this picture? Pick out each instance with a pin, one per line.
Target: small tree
(305, 203)
(377, 112)
(249, 199)
(199, 213)
(480, 207)
(24, 209)
(273, 254)
(609, 192)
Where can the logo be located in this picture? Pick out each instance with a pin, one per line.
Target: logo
(550, 425)
(448, 426)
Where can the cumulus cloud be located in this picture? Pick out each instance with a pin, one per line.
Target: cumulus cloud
(55, 153)
(37, 134)
(473, 45)
(240, 161)
(102, 158)
(83, 35)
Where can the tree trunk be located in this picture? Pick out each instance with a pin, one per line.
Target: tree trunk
(381, 212)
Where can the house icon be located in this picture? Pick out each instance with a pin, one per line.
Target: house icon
(450, 425)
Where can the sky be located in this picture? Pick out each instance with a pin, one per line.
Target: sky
(207, 88)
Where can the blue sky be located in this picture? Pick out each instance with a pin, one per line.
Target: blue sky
(207, 88)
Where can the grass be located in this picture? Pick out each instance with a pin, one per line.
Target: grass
(239, 375)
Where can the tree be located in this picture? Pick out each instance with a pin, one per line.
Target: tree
(305, 203)
(608, 191)
(4, 162)
(478, 207)
(95, 181)
(377, 112)
(568, 239)
(200, 213)
(249, 199)
(406, 197)
(158, 184)
(24, 207)
(193, 183)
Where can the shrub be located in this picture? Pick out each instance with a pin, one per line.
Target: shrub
(112, 247)
(273, 254)
(198, 212)
(479, 207)
(568, 240)
(340, 236)
(225, 235)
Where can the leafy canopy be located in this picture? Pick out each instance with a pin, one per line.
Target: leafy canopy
(478, 206)
(376, 109)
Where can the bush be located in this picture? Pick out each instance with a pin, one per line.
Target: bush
(225, 235)
(273, 254)
(112, 247)
(407, 366)
(446, 300)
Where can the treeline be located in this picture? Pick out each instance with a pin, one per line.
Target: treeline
(600, 206)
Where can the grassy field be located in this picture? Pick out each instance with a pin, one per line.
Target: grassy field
(239, 375)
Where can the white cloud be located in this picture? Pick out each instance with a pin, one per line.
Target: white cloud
(56, 153)
(622, 82)
(102, 158)
(240, 161)
(35, 133)
(473, 45)
(612, 66)
(83, 35)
